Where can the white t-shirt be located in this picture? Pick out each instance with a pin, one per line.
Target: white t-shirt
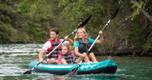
(47, 44)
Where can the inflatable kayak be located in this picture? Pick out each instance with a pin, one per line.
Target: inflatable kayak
(106, 66)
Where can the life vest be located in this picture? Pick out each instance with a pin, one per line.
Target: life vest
(69, 57)
(84, 45)
(55, 53)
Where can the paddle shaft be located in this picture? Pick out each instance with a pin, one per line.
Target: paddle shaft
(98, 36)
(61, 42)
(112, 16)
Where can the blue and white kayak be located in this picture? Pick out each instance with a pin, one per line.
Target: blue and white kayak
(105, 66)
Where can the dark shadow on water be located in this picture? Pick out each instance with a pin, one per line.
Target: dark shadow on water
(97, 77)
(64, 77)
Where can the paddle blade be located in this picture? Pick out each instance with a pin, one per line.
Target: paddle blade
(74, 71)
(113, 15)
(81, 24)
(28, 72)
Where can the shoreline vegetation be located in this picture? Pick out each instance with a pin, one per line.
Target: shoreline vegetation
(28, 21)
(98, 51)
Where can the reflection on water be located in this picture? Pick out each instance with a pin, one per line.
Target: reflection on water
(97, 77)
(14, 60)
(55, 77)
(9, 69)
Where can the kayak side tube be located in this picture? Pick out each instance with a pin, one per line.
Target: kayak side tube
(106, 66)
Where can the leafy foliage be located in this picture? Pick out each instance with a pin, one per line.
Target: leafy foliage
(28, 21)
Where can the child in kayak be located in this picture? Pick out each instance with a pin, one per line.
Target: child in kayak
(82, 43)
(66, 56)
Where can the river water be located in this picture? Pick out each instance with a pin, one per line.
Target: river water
(14, 60)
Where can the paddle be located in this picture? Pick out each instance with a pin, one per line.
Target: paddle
(74, 70)
(112, 17)
(81, 24)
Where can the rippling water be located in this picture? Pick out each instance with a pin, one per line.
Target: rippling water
(14, 60)
(19, 48)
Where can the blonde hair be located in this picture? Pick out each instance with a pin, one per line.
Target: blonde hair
(67, 46)
(83, 30)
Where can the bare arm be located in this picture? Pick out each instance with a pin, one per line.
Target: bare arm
(101, 39)
(69, 39)
(41, 55)
(77, 52)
